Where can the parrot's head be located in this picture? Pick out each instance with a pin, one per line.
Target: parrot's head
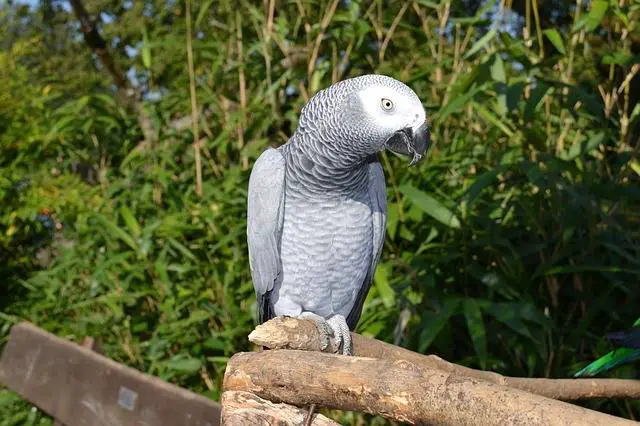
(368, 114)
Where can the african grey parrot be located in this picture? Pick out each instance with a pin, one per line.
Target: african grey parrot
(316, 208)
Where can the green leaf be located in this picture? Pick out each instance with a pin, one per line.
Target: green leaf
(146, 50)
(387, 294)
(477, 331)
(430, 4)
(581, 148)
(182, 249)
(214, 343)
(514, 94)
(620, 58)
(431, 206)
(431, 329)
(483, 181)
(556, 39)
(508, 314)
(130, 221)
(484, 40)
(458, 102)
(183, 365)
(537, 94)
(113, 229)
(392, 220)
(595, 16)
(203, 10)
(498, 72)
(491, 117)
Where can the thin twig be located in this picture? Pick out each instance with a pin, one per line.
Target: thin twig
(536, 15)
(243, 90)
(195, 115)
(328, 16)
(392, 29)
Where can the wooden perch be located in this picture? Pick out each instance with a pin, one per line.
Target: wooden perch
(243, 408)
(397, 389)
(302, 334)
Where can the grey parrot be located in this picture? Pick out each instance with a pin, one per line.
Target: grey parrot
(317, 208)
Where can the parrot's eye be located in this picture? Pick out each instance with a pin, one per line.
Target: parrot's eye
(387, 105)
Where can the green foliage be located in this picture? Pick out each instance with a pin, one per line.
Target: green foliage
(513, 247)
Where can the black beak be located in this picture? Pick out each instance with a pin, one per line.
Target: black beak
(410, 142)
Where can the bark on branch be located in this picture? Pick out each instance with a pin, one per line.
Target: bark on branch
(397, 389)
(302, 334)
(243, 408)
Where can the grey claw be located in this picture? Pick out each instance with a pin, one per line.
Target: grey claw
(335, 328)
(342, 334)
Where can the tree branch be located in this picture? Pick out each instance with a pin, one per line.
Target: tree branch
(302, 334)
(397, 389)
(243, 408)
(99, 46)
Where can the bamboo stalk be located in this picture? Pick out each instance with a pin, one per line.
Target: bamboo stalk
(195, 115)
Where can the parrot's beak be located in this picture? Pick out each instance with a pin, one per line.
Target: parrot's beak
(410, 141)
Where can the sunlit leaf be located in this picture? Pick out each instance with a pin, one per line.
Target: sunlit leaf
(431, 206)
(130, 221)
(382, 274)
(184, 365)
(484, 40)
(596, 14)
(556, 39)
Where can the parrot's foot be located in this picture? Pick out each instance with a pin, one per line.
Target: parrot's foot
(335, 327)
(341, 333)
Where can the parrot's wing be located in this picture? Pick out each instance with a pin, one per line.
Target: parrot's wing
(629, 338)
(265, 216)
(378, 197)
(609, 361)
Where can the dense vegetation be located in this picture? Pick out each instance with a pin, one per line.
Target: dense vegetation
(514, 247)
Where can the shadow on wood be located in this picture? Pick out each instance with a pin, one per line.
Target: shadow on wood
(78, 386)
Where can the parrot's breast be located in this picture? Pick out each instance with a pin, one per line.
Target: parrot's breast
(326, 252)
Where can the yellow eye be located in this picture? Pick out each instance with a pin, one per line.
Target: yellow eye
(386, 104)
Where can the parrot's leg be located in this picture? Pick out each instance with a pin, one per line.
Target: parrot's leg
(335, 327)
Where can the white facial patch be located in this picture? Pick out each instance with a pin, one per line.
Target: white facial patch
(407, 111)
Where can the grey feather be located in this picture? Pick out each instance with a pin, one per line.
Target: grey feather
(265, 213)
(378, 197)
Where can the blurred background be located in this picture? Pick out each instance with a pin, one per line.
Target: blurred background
(514, 247)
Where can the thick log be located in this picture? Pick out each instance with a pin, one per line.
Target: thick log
(80, 387)
(399, 390)
(246, 409)
(302, 334)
